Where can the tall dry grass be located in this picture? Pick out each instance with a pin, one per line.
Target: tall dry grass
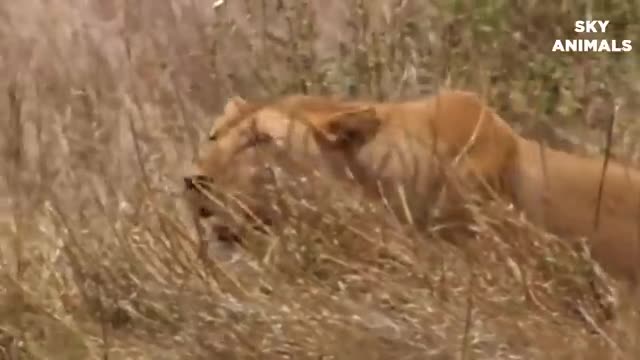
(104, 103)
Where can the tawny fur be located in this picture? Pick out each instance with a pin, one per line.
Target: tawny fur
(558, 190)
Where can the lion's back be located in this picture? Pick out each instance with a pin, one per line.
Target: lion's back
(460, 122)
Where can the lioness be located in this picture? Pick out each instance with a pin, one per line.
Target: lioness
(380, 145)
(399, 142)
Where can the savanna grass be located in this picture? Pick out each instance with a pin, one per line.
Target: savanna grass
(104, 103)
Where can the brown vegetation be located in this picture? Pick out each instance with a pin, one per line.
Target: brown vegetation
(105, 102)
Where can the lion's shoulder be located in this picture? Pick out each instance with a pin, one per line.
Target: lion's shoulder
(467, 126)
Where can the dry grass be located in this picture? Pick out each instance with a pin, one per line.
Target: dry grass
(105, 102)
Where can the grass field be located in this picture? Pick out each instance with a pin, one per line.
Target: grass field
(103, 105)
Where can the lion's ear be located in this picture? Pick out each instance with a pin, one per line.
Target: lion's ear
(233, 105)
(352, 128)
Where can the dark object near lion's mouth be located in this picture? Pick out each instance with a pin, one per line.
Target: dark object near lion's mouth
(189, 184)
(229, 234)
(226, 235)
(193, 183)
(204, 213)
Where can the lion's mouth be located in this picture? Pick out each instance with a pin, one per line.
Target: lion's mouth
(230, 232)
(226, 234)
(204, 213)
(220, 224)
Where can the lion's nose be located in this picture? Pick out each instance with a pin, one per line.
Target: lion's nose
(190, 181)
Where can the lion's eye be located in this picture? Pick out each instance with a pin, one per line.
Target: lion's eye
(213, 137)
